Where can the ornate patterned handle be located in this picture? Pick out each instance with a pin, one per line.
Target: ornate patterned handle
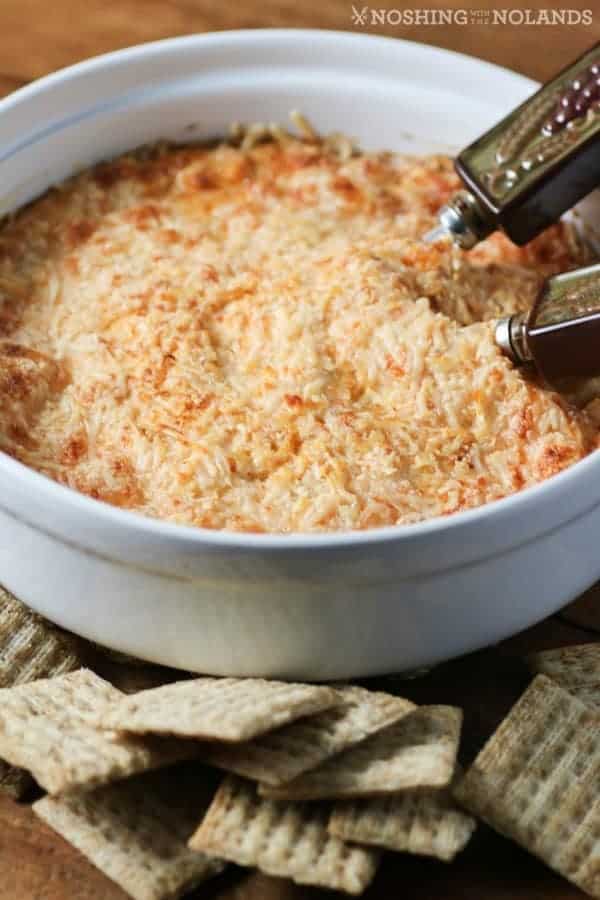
(581, 96)
(555, 121)
(533, 165)
(561, 334)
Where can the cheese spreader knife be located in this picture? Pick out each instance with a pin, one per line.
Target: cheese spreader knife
(520, 177)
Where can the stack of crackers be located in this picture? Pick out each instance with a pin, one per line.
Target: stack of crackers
(163, 782)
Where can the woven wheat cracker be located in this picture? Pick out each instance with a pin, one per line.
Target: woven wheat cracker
(136, 832)
(279, 756)
(575, 668)
(45, 728)
(30, 647)
(418, 751)
(227, 709)
(281, 838)
(537, 781)
(422, 821)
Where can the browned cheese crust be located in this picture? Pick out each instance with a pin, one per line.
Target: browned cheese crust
(256, 339)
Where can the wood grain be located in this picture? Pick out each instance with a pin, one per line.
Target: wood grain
(8, 84)
(37, 37)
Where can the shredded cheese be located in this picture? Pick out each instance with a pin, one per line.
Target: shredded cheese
(254, 338)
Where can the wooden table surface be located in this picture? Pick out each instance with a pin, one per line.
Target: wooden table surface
(38, 36)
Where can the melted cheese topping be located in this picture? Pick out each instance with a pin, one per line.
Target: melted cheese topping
(256, 339)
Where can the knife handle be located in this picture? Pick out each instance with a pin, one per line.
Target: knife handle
(561, 334)
(535, 164)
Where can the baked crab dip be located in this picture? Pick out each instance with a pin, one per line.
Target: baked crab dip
(252, 336)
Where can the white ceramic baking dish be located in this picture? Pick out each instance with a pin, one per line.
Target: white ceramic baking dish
(314, 607)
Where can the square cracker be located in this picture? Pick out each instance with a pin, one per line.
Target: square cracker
(30, 647)
(575, 668)
(424, 821)
(417, 751)
(45, 728)
(283, 754)
(283, 839)
(537, 781)
(226, 709)
(136, 831)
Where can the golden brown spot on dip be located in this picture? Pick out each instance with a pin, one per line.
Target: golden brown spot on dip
(78, 232)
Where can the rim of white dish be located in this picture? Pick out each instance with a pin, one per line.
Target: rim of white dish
(549, 490)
